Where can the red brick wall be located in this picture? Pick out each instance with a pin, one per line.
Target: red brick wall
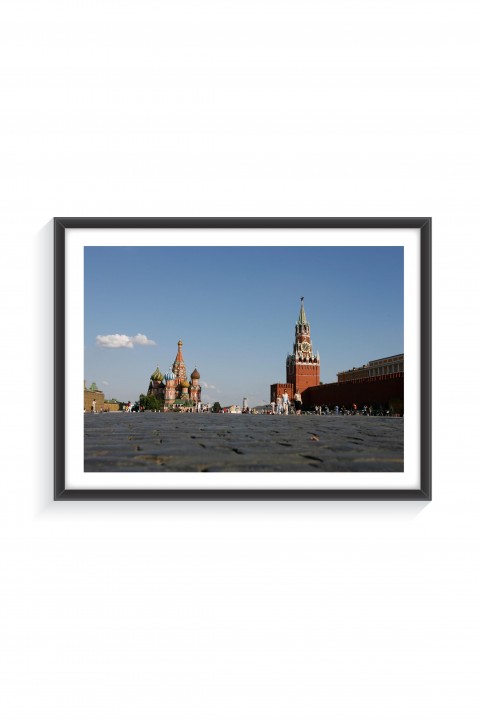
(279, 388)
(306, 375)
(386, 390)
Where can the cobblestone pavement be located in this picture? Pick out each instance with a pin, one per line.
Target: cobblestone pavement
(163, 442)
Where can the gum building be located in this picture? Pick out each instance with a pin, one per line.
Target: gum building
(174, 389)
(303, 365)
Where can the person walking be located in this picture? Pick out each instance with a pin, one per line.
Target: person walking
(286, 402)
(297, 399)
(279, 405)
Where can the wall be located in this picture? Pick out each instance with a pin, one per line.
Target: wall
(304, 375)
(111, 407)
(242, 610)
(89, 396)
(278, 389)
(385, 392)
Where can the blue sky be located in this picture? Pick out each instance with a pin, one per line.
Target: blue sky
(235, 310)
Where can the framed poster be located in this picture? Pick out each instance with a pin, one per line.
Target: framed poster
(242, 358)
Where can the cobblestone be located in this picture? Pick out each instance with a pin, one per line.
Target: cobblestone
(167, 442)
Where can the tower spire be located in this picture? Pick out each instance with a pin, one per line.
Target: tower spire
(302, 318)
(303, 367)
(178, 367)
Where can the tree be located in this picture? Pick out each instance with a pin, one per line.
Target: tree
(150, 402)
(216, 407)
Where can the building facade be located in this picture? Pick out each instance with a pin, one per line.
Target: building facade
(302, 366)
(174, 390)
(374, 368)
(93, 398)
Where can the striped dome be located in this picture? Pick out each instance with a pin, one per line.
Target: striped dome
(169, 375)
(157, 375)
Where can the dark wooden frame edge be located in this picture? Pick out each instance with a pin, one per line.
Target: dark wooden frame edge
(425, 226)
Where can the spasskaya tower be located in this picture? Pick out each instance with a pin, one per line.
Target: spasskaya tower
(303, 367)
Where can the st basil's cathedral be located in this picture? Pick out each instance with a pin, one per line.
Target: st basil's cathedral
(173, 389)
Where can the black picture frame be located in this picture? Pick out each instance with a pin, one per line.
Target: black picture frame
(423, 224)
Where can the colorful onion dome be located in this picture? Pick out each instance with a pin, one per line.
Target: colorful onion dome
(169, 375)
(157, 375)
(195, 375)
(185, 384)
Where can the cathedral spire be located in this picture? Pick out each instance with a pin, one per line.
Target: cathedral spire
(179, 357)
(179, 368)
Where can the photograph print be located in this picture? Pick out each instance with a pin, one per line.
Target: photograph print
(239, 361)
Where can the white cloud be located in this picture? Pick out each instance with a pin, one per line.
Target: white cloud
(123, 341)
(209, 387)
(104, 382)
(140, 339)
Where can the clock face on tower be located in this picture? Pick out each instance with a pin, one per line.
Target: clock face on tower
(305, 346)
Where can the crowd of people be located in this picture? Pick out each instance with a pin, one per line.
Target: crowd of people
(283, 406)
(353, 410)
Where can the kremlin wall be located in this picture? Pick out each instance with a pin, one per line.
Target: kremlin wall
(381, 392)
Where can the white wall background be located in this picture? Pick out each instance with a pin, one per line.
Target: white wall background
(215, 611)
